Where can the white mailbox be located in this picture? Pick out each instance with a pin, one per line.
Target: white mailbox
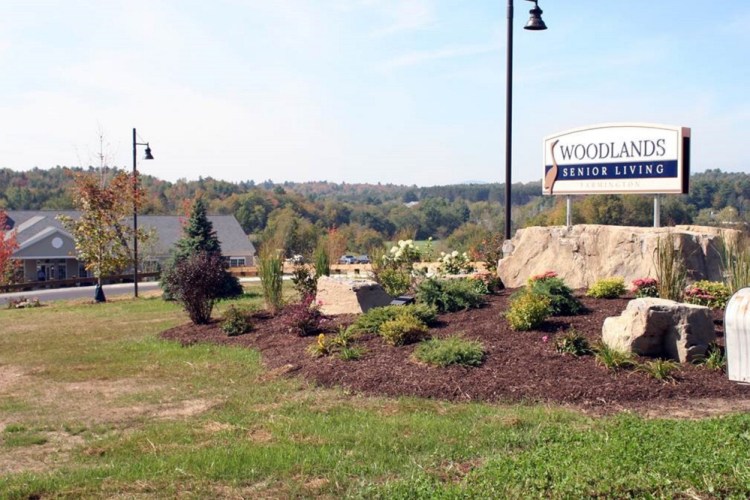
(737, 336)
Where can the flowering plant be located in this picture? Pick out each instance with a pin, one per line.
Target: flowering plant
(455, 263)
(405, 252)
(540, 277)
(708, 293)
(645, 287)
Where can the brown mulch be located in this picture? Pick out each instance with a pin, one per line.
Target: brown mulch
(518, 367)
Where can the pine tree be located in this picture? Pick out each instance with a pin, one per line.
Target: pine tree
(198, 237)
(198, 233)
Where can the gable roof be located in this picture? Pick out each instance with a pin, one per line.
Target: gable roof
(31, 225)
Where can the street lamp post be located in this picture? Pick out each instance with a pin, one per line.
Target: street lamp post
(535, 23)
(147, 156)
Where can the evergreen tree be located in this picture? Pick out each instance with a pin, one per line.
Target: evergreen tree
(198, 234)
(198, 237)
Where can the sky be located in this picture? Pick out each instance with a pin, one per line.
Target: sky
(390, 91)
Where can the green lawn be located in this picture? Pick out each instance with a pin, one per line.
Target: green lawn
(93, 404)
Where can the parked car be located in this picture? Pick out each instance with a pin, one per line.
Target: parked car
(347, 259)
(295, 259)
(362, 259)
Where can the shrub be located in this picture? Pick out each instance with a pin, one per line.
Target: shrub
(405, 252)
(321, 347)
(304, 281)
(562, 302)
(371, 321)
(450, 295)
(302, 318)
(491, 281)
(528, 311)
(270, 271)
(714, 358)
(235, 321)
(573, 343)
(613, 359)
(196, 283)
(403, 329)
(490, 251)
(395, 282)
(322, 262)
(671, 272)
(708, 293)
(645, 287)
(660, 369)
(454, 263)
(607, 288)
(450, 351)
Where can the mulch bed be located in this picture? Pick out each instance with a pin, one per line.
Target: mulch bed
(519, 366)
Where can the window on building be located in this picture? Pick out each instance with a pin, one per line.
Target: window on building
(236, 261)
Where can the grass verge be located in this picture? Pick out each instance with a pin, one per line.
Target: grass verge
(94, 404)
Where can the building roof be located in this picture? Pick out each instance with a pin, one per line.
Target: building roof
(30, 225)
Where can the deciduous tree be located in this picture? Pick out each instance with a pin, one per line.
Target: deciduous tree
(103, 232)
(8, 245)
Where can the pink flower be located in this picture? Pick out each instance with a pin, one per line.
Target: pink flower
(545, 338)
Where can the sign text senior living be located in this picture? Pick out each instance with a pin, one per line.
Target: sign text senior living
(617, 158)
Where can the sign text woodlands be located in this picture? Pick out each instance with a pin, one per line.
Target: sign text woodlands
(617, 158)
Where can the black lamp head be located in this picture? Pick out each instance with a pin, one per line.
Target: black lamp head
(535, 21)
(148, 155)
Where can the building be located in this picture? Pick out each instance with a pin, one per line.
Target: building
(47, 251)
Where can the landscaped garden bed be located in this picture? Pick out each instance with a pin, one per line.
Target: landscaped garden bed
(518, 366)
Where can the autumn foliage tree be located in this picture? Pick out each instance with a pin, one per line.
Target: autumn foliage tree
(103, 232)
(8, 245)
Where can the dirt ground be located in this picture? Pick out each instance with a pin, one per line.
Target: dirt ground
(519, 366)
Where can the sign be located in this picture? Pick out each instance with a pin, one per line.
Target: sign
(617, 158)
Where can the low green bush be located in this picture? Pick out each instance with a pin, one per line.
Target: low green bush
(403, 329)
(395, 282)
(714, 358)
(370, 321)
(573, 343)
(562, 302)
(234, 321)
(660, 369)
(451, 295)
(450, 351)
(528, 311)
(713, 294)
(613, 359)
(607, 288)
(321, 347)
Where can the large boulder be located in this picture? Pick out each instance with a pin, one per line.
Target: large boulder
(661, 328)
(349, 296)
(585, 253)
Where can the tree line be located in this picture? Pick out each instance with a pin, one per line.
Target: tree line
(299, 216)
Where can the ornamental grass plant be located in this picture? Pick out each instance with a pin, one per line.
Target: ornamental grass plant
(671, 272)
(270, 271)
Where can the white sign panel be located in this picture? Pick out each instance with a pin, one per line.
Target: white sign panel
(617, 158)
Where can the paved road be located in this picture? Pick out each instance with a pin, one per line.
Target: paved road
(79, 292)
(82, 292)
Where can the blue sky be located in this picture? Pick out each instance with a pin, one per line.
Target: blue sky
(391, 91)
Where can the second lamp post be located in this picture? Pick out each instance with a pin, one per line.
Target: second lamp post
(147, 156)
(535, 23)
